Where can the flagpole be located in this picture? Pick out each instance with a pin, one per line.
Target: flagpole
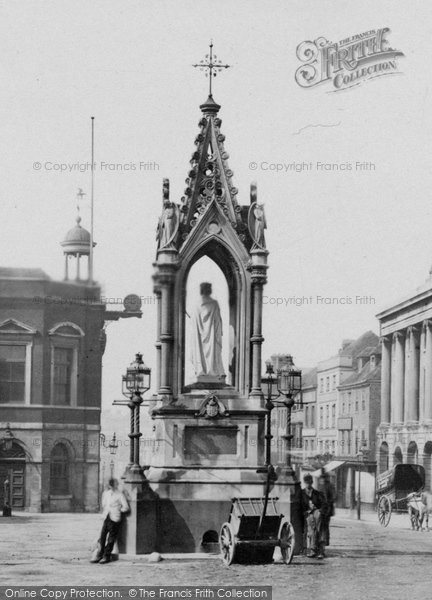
(91, 203)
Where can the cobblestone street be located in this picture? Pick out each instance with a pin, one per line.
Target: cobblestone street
(364, 561)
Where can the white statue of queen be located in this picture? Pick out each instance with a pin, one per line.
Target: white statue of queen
(206, 337)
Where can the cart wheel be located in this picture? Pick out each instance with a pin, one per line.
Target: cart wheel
(227, 543)
(384, 509)
(287, 541)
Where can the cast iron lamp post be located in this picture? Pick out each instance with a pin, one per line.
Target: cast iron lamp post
(289, 382)
(360, 455)
(134, 384)
(6, 443)
(113, 445)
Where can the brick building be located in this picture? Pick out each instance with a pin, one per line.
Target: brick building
(51, 343)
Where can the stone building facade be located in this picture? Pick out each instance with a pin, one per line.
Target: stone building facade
(331, 374)
(50, 391)
(52, 339)
(405, 431)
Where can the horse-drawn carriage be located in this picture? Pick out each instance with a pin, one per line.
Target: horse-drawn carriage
(398, 490)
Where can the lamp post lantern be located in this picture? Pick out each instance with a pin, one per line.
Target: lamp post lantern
(135, 383)
(113, 445)
(360, 455)
(289, 383)
(6, 443)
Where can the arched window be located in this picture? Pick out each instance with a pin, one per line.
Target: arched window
(59, 470)
(427, 463)
(383, 457)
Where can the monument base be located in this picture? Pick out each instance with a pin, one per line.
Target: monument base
(192, 506)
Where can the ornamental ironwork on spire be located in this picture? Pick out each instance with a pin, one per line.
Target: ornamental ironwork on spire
(209, 182)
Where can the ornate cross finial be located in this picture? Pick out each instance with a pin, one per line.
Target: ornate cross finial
(211, 65)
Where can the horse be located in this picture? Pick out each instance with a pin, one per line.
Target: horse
(416, 509)
(426, 499)
(419, 507)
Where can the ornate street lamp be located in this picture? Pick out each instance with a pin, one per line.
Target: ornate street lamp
(360, 456)
(135, 383)
(6, 443)
(289, 384)
(113, 445)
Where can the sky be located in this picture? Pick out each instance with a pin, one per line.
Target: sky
(332, 234)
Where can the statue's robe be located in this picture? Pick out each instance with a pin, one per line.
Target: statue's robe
(206, 339)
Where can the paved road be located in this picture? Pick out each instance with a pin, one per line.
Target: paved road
(364, 561)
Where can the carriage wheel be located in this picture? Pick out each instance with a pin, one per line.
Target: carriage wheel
(287, 541)
(384, 510)
(227, 543)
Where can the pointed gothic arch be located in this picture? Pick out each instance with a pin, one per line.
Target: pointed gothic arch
(233, 266)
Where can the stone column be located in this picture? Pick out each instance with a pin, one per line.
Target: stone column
(166, 338)
(78, 275)
(158, 344)
(397, 378)
(428, 372)
(66, 267)
(257, 338)
(385, 379)
(164, 279)
(411, 388)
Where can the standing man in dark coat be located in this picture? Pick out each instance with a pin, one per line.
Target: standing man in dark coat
(328, 498)
(311, 501)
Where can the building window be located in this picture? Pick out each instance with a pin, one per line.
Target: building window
(62, 376)
(321, 385)
(306, 416)
(327, 384)
(312, 419)
(333, 447)
(343, 407)
(356, 441)
(65, 344)
(334, 415)
(356, 403)
(59, 470)
(348, 448)
(321, 417)
(12, 373)
(334, 382)
(363, 400)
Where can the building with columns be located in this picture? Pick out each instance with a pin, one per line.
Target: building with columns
(405, 431)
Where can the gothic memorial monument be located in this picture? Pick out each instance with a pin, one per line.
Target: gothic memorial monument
(210, 431)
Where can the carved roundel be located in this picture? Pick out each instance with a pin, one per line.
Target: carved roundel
(213, 228)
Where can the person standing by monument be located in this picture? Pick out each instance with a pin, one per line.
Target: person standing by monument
(206, 337)
(114, 504)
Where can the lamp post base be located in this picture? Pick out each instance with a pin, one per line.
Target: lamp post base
(138, 534)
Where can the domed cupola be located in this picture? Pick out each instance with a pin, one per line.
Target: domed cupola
(77, 243)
